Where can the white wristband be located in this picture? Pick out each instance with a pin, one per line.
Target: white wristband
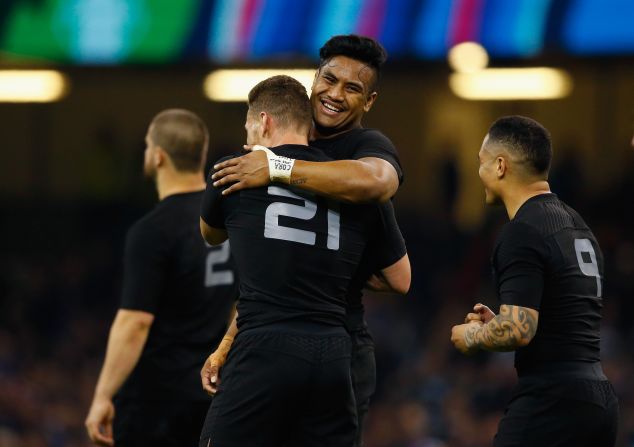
(280, 168)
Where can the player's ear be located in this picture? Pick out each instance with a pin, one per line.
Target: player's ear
(315, 77)
(500, 167)
(369, 101)
(265, 123)
(159, 157)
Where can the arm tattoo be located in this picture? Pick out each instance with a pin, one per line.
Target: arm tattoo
(298, 181)
(512, 328)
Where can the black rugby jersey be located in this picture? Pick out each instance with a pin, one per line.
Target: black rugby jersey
(353, 145)
(383, 251)
(296, 252)
(359, 143)
(547, 259)
(190, 288)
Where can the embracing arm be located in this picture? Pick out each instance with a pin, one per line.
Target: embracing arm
(514, 327)
(368, 179)
(128, 335)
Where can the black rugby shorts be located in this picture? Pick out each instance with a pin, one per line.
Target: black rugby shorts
(284, 389)
(574, 413)
(363, 374)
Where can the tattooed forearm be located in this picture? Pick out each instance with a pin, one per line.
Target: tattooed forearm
(512, 328)
(298, 181)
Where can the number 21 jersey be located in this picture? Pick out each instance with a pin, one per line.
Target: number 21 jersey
(296, 252)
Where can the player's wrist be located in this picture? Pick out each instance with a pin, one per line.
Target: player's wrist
(223, 349)
(102, 396)
(226, 345)
(471, 337)
(280, 168)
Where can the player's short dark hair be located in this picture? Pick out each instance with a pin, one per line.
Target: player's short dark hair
(524, 137)
(285, 99)
(361, 48)
(184, 136)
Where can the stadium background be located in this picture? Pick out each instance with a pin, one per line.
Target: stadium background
(71, 183)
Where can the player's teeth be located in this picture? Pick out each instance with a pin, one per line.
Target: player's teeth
(329, 107)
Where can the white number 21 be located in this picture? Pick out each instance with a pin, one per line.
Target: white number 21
(307, 211)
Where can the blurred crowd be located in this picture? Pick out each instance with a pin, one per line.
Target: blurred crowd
(60, 284)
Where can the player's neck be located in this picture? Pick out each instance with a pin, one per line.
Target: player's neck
(169, 182)
(518, 195)
(318, 132)
(286, 138)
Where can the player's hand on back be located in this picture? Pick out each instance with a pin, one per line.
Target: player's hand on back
(99, 421)
(245, 172)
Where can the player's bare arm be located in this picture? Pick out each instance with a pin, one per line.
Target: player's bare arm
(213, 236)
(128, 335)
(368, 179)
(514, 327)
(210, 372)
(395, 279)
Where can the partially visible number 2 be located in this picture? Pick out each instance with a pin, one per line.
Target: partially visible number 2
(213, 275)
(589, 265)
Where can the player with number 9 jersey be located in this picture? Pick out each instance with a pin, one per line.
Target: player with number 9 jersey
(547, 259)
(549, 238)
(548, 270)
